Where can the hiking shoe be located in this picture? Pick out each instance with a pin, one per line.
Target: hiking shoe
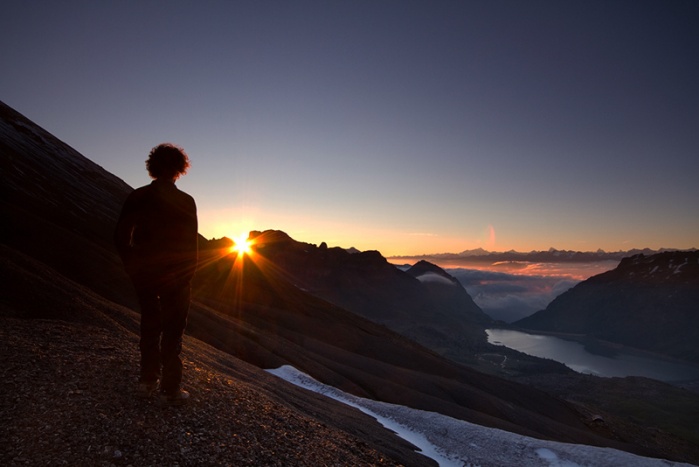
(181, 397)
(145, 390)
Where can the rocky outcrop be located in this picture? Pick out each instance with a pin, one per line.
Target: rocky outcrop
(59, 206)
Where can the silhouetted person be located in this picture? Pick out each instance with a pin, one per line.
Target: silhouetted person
(156, 237)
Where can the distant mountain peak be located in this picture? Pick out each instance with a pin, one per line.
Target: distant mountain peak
(475, 252)
(552, 255)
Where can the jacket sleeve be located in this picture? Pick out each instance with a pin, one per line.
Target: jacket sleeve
(124, 230)
(193, 238)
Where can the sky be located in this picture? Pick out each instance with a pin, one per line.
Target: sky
(408, 127)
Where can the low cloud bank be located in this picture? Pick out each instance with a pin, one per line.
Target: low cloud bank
(509, 297)
(433, 277)
(512, 290)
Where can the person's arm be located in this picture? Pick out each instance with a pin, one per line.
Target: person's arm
(123, 232)
(192, 239)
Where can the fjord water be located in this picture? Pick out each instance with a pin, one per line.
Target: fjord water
(575, 356)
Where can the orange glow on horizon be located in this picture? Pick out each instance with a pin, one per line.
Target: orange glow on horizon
(576, 271)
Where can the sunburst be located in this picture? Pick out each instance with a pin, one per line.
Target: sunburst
(241, 245)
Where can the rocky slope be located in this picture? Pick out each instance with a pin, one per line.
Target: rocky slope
(647, 302)
(68, 400)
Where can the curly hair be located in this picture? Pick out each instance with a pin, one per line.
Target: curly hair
(167, 160)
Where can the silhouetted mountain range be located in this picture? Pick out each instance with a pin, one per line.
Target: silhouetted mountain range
(647, 302)
(438, 314)
(350, 320)
(551, 255)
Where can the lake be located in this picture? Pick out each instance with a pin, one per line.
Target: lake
(575, 356)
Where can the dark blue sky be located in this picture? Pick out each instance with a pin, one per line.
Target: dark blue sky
(407, 127)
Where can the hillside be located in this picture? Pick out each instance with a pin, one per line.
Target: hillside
(646, 302)
(278, 323)
(67, 386)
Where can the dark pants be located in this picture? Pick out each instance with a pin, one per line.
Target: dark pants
(164, 311)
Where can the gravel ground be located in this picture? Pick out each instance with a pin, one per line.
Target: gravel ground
(67, 398)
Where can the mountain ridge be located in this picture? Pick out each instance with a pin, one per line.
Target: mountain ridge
(646, 302)
(551, 255)
(365, 283)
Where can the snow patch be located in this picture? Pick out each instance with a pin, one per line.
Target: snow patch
(549, 456)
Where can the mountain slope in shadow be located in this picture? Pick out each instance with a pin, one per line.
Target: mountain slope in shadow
(279, 323)
(646, 302)
(441, 316)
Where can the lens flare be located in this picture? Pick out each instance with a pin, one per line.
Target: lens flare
(241, 245)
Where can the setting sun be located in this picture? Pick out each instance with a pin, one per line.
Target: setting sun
(241, 245)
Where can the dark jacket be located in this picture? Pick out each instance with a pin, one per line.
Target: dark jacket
(156, 235)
